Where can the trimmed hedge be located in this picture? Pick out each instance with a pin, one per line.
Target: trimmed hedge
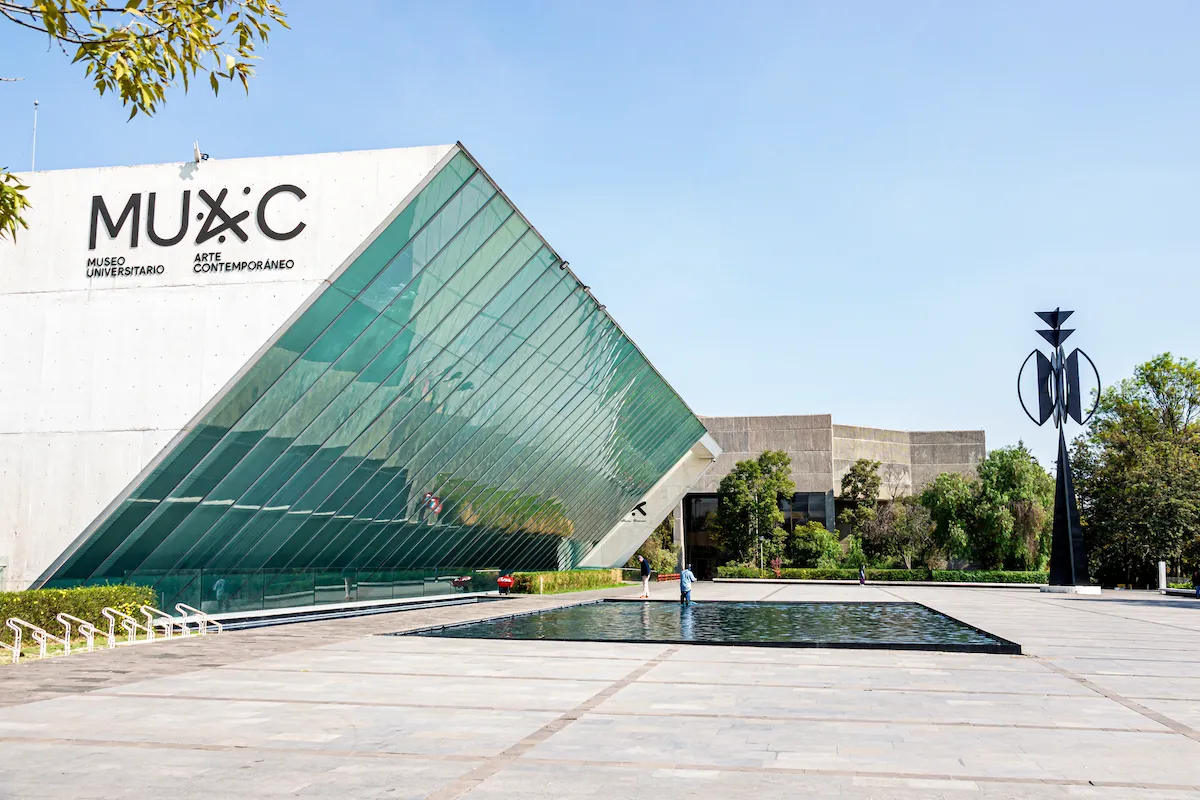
(40, 606)
(989, 576)
(575, 580)
(911, 575)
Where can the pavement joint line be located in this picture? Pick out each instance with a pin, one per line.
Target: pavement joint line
(237, 748)
(655, 714)
(999, 779)
(1132, 705)
(693, 648)
(636, 765)
(903, 690)
(419, 674)
(318, 670)
(511, 754)
(772, 594)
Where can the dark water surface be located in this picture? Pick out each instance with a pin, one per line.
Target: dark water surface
(908, 626)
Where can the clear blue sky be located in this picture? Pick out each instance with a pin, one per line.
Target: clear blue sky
(847, 208)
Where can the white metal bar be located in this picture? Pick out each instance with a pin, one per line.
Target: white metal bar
(40, 635)
(87, 629)
(203, 620)
(152, 614)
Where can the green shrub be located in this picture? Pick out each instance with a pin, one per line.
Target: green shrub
(575, 580)
(40, 606)
(989, 576)
(738, 571)
(911, 575)
(813, 546)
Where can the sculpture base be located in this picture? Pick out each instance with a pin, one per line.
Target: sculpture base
(1072, 589)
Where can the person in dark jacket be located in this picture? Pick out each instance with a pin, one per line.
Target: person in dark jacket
(644, 563)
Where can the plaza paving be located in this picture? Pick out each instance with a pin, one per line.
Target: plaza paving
(1105, 703)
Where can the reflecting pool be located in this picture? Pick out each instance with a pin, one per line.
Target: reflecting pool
(882, 625)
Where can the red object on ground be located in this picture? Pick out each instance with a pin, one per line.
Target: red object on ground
(674, 576)
(505, 583)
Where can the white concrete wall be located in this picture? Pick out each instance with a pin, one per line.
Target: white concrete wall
(620, 543)
(98, 374)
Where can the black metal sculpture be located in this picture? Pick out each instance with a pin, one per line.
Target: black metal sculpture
(1060, 398)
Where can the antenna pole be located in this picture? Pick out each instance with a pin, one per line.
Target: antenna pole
(33, 152)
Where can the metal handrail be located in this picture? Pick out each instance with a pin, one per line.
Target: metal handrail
(87, 629)
(131, 625)
(203, 620)
(40, 635)
(151, 614)
(15, 647)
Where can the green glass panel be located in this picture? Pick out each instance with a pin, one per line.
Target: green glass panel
(452, 357)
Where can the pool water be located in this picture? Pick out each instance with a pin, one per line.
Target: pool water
(883, 625)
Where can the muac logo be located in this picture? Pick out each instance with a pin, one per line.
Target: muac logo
(217, 222)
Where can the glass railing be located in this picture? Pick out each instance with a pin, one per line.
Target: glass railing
(221, 591)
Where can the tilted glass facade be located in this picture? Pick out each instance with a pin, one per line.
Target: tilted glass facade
(453, 401)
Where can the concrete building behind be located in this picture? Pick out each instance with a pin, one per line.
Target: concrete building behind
(821, 452)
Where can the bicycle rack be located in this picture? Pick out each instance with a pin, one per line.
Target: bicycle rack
(41, 636)
(87, 629)
(15, 647)
(202, 619)
(152, 614)
(131, 625)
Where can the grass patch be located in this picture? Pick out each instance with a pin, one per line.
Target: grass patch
(574, 580)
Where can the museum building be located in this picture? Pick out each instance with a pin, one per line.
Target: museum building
(315, 378)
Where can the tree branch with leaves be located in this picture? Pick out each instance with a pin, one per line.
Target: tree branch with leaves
(140, 49)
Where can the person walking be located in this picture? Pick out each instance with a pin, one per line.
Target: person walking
(644, 563)
(862, 576)
(686, 579)
(220, 594)
(1196, 582)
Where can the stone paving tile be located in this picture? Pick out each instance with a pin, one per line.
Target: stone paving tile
(635, 782)
(1146, 666)
(905, 659)
(328, 710)
(482, 665)
(248, 723)
(1184, 711)
(1135, 686)
(97, 772)
(1081, 711)
(888, 748)
(500, 647)
(83, 672)
(453, 690)
(1033, 679)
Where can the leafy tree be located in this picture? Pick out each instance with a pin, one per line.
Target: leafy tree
(913, 537)
(1014, 511)
(659, 548)
(854, 557)
(1137, 473)
(860, 492)
(748, 508)
(140, 48)
(1002, 517)
(860, 496)
(813, 545)
(950, 501)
